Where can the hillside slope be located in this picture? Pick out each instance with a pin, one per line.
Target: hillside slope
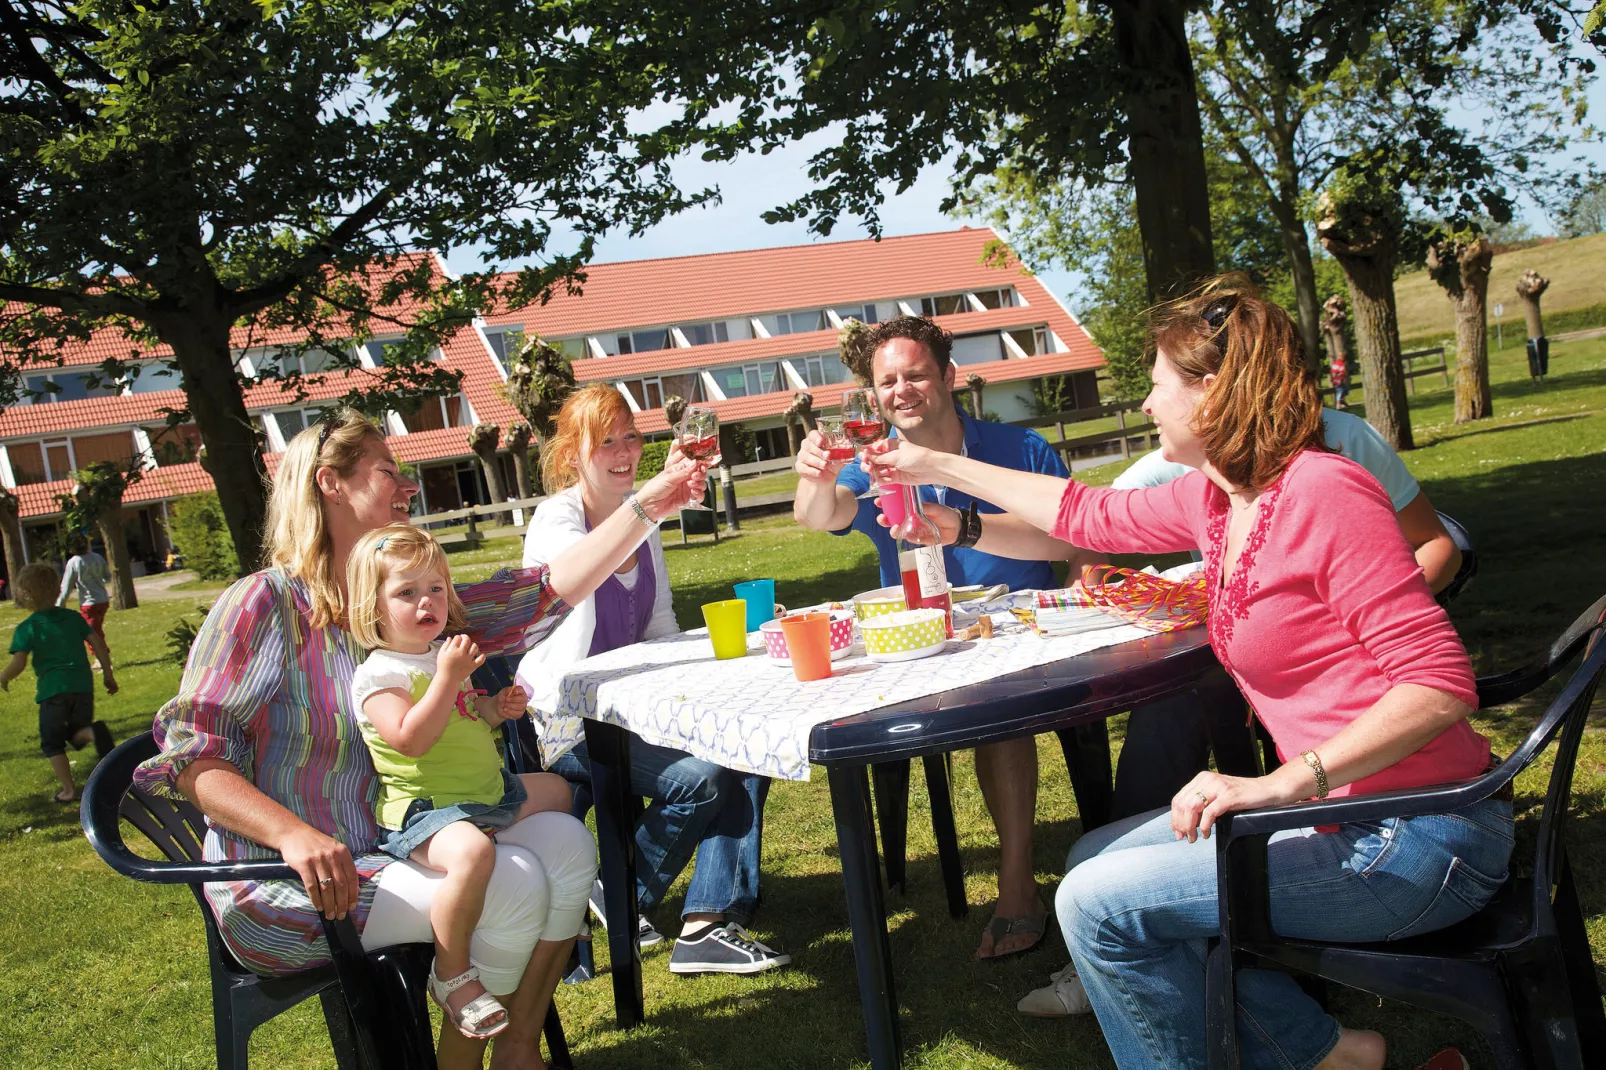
(1576, 270)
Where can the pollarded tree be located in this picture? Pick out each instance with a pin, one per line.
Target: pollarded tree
(179, 170)
(1530, 288)
(850, 345)
(518, 444)
(11, 531)
(482, 439)
(1459, 262)
(539, 380)
(1360, 221)
(975, 384)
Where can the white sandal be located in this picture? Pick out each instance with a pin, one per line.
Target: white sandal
(470, 1021)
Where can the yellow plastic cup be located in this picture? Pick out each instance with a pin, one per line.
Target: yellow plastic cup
(727, 627)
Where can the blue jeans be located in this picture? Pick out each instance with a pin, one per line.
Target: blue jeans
(1137, 905)
(694, 806)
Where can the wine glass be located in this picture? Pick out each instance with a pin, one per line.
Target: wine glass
(699, 439)
(838, 447)
(863, 424)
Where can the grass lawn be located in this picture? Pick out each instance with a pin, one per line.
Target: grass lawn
(106, 973)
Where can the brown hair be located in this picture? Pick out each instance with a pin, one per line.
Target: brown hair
(938, 342)
(394, 548)
(585, 420)
(1263, 407)
(37, 586)
(297, 540)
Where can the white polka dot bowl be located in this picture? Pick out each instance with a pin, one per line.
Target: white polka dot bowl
(905, 635)
(841, 637)
(877, 602)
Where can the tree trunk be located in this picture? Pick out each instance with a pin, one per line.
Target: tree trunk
(11, 531)
(794, 438)
(976, 384)
(1296, 241)
(217, 405)
(1377, 337)
(1165, 143)
(482, 439)
(1472, 397)
(111, 533)
(518, 444)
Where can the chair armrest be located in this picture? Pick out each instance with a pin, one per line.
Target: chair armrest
(127, 863)
(1407, 802)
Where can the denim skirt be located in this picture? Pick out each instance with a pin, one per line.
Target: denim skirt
(424, 820)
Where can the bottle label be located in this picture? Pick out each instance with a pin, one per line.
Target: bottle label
(933, 571)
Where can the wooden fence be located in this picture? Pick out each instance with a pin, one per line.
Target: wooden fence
(1412, 373)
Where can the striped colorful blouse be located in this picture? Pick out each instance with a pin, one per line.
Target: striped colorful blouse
(270, 695)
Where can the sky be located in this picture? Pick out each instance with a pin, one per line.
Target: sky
(753, 184)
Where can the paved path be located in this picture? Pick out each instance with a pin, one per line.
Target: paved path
(160, 586)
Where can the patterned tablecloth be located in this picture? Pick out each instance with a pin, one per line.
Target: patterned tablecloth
(751, 713)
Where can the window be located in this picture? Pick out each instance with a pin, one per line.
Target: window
(748, 379)
(647, 393)
(687, 386)
(862, 313)
(27, 463)
(702, 334)
(174, 445)
(117, 447)
(150, 378)
(1004, 298)
(506, 344)
(1027, 338)
(433, 414)
(823, 370)
(644, 341)
(770, 443)
(798, 322)
(70, 386)
(947, 305)
(294, 421)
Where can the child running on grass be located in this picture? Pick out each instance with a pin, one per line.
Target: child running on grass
(443, 791)
(65, 690)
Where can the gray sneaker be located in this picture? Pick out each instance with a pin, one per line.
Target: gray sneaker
(646, 935)
(727, 948)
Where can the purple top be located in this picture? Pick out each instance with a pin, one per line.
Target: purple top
(622, 612)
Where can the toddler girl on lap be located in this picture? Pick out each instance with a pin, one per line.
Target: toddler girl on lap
(443, 792)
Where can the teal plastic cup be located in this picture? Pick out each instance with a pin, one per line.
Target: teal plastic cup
(760, 597)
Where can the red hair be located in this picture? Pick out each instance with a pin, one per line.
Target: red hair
(585, 420)
(1263, 407)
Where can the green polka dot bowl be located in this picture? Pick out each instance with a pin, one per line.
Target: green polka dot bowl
(878, 602)
(904, 635)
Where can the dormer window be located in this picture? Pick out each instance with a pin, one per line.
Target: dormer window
(702, 334)
(644, 341)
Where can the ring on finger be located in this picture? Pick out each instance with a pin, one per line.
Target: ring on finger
(1203, 797)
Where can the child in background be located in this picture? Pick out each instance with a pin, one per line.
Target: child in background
(443, 792)
(87, 573)
(1338, 375)
(65, 690)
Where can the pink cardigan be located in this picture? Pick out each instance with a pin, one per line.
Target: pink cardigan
(1326, 611)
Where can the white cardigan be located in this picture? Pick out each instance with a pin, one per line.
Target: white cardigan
(557, 524)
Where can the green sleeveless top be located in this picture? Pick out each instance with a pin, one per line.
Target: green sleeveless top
(462, 766)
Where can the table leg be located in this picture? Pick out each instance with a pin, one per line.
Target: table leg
(1087, 759)
(942, 827)
(891, 783)
(872, 952)
(609, 747)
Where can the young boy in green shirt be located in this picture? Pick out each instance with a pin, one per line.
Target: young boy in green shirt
(66, 690)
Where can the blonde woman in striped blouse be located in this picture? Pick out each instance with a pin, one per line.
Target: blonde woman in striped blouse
(262, 738)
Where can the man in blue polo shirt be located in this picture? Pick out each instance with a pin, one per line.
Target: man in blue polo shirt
(913, 374)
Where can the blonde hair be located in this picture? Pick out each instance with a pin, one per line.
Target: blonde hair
(585, 420)
(1263, 407)
(298, 532)
(394, 548)
(37, 586)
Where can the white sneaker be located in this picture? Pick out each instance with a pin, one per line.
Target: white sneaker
(1063, 998)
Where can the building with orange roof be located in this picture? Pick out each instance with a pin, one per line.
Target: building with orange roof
(740, 331)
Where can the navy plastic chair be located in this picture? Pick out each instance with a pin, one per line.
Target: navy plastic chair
(1469, 559)
(373, 1002)
(1519, 971)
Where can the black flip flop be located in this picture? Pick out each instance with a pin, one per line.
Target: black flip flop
(1001, 928)
(56, 798)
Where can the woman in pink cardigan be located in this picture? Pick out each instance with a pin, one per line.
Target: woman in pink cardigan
(1321, 615)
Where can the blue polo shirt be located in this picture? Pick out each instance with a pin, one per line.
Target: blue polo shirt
(1004, 445)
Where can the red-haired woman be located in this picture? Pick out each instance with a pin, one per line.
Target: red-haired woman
(696, 805)
(1322, 616)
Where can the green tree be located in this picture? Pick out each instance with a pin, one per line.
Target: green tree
(1289, 111)
(177, 170)
(200, 533)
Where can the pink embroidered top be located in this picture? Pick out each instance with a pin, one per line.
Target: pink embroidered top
(1325, 612)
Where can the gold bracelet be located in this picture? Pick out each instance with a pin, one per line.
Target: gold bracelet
(1314, 760)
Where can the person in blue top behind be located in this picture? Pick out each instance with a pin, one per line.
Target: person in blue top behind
(912, 371)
